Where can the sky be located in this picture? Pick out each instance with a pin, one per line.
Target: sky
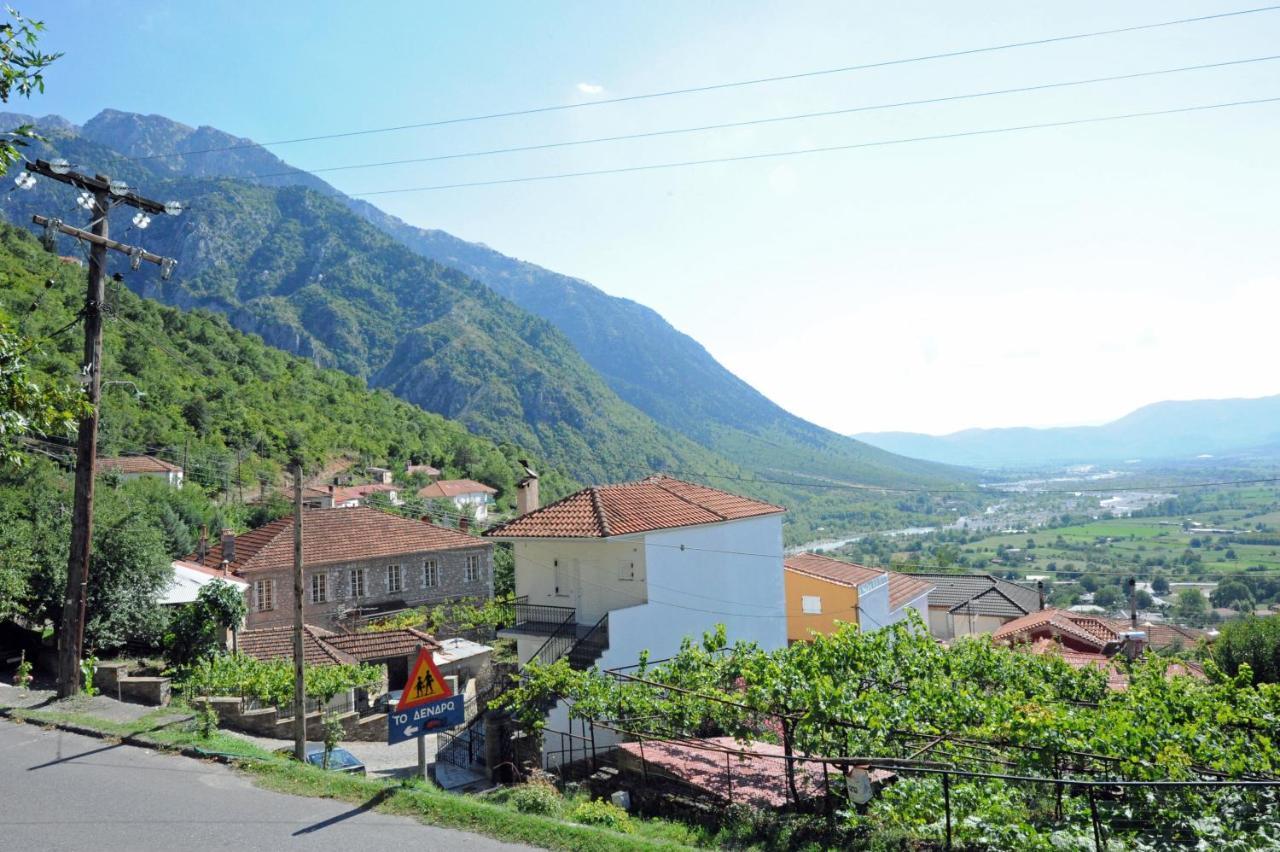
(1044, 277)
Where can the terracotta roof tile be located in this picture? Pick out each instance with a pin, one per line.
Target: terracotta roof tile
(447, 489)
(655, 503)
(903, 589)
(1086, 630)
(138, 464)
(359, 492)
(337, 535)
(382, 644)
(835, 571)
(276, 643)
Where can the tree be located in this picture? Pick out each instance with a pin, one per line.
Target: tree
(1108, 597)
(1233, 593)
(1191, 606)
(1254, 642)
(198, 630)
(1144, 599)
(26, 406)
(21, 71)
(1160, 586)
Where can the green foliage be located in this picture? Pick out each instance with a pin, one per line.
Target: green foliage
(88, 668)
(270, 682)
(599, 812)
(1253, 645)
(852, 693)
(538, 796)
(452, 617)
(206, 721)
(332, 735)
(198, 629)
(22, 72)
(29, 407)
(22, 677)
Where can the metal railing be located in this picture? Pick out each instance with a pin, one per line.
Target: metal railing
(588, 649)
(465, 748)
(562, 638)
(533, 617)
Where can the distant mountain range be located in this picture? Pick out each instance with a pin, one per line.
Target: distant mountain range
(1162, 430)
(602, 386)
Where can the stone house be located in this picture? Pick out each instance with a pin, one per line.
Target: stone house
(357, 563)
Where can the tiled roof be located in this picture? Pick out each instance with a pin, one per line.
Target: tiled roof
(276, 643)
(904, 588)
(382, 644)
(952, 590)
(1085, 630)
(422, 468)
(138, 464)
(1161, 636)
(337, 535)
(359, 492)
(447, 489)
(655, 503)
(832, 570)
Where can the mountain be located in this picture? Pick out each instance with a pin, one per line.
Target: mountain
(188, 386)
(601, 385)
(1162, 430)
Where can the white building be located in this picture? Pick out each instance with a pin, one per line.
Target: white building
(136, 467)
(189, 578)
(613, 571)
(466, 494)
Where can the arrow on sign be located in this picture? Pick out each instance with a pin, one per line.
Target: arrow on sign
(411, 730)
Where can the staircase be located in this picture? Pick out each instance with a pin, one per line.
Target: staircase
(586, 651)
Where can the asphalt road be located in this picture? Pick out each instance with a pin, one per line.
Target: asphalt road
(65, 791)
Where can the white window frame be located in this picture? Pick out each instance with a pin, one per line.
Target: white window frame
(319, 588)
(471, 572)
(261, 602)
(355, 582)
(811, 604)
(395, 578)
(430, 574)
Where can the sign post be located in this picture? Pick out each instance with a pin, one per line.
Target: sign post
(426, 705)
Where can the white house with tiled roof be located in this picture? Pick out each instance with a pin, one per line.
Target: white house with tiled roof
(614, 571)
(136, 467)
(356, 563)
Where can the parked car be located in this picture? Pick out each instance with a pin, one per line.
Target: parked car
(388, 702)
(340, 760)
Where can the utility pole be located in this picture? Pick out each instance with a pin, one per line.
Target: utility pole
(299, 681)
(99, 194)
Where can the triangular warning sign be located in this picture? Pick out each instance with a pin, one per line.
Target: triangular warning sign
(425, 683)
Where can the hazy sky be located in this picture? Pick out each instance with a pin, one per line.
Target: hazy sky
(1053, 276)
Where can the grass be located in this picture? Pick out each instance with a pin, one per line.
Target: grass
(490, 816)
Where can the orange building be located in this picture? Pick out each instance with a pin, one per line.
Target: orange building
(822, 592)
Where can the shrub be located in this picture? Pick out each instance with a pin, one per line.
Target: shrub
(206, 721)
(600, 812)
(537, 797)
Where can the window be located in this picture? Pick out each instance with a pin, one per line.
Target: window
(357, 582)
(473, 569)
(430, 573)
(626, 570)
(395, 581)
(264, 595)
(319, 588)
(811, 604)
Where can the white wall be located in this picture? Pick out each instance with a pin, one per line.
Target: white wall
(920, 605)
(873, 603)
(591, 573)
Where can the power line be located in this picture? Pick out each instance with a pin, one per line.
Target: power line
(825, 149)
(761, 121)
(726, 85)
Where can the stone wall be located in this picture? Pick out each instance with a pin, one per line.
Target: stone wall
(270, 722)
(414, 592)
(112, 680)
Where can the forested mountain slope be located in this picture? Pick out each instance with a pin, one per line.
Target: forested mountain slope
(660, 371)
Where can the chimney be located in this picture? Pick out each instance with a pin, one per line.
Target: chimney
(464, 524)
(202, 546)
(1040, 589)
(526, 495)
(229, 545)
(1133, 602)
(1133, 643)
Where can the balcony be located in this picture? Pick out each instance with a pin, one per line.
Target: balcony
(540, 619)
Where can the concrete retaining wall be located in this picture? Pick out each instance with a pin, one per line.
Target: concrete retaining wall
(270, 722)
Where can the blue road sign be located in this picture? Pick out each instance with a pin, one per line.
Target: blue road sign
(425, 719)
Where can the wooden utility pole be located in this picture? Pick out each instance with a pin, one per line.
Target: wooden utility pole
(100, 195)
(299, 680)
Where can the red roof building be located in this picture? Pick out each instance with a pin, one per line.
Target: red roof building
(133, 467)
